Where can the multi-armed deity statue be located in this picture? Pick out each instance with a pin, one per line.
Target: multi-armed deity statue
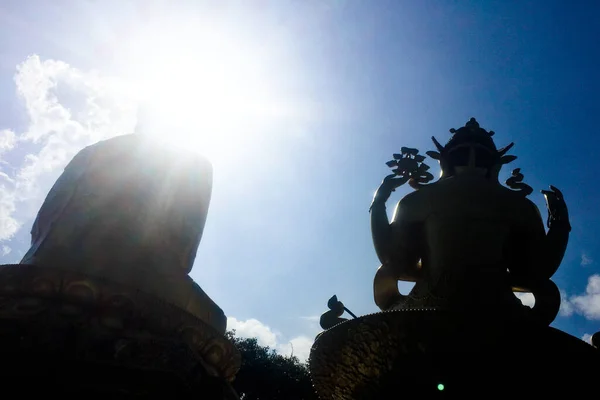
(467, 240)
(468, 243)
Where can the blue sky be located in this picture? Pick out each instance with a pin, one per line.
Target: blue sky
(341, 86)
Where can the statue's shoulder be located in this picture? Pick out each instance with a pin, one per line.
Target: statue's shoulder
(426, 191)
(417, 196)
(420, 198)
(120, 143)
(519, 205)
(138, 148)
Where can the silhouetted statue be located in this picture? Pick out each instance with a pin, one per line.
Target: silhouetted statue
(103, 302)
(332, 317)
(468, 243)
(130, 210)
(466, 240)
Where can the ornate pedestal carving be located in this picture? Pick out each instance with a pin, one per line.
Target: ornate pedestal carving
(409, 353)
(53, 321)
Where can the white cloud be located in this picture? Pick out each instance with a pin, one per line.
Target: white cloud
(7, 140)
(298, 346)
(6, 250)
(566, 307)
(312, 318)
(68, 109)
(253, 328)
(526, 298)
(587, 338)
(588, 304)
(8, 223)
(586, 260)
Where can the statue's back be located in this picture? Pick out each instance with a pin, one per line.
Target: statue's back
(131, 211)
(468, 223)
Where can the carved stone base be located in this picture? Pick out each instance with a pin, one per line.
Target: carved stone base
(69, 333)
(411, 352)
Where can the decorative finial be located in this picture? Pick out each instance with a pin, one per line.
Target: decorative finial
(332, 317)
(473, 127)
(473, 124)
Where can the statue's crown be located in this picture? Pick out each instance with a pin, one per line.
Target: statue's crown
(472, 127)
(472, 132)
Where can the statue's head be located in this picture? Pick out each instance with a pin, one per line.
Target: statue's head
(471, 150)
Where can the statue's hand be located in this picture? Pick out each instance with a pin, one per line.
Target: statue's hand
(390, 183)
(558, 214)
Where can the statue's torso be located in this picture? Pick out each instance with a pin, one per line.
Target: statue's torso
(463, 227)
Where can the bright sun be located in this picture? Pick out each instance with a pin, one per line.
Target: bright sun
(199, 87)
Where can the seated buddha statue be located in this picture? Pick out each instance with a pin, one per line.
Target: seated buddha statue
(133, 212)
(466, 240)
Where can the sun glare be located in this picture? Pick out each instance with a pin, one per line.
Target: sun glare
(198, 87)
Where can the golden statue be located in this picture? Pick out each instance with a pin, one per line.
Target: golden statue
(468, 243)
(466, 240)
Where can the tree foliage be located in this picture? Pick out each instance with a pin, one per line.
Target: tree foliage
(266, 375)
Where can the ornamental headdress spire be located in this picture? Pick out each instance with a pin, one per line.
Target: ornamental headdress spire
(472, 133)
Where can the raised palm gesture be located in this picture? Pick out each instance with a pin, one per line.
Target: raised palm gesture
(558, 214)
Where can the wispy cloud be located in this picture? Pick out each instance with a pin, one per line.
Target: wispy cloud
(586, 259)
(298, 346)
(67, 109)
(588, 303)
(8, 140)
(566, 307)
(312, 318)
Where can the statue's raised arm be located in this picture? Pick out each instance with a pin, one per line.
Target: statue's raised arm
(545, 250)
(393, 242)
(559, 228)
